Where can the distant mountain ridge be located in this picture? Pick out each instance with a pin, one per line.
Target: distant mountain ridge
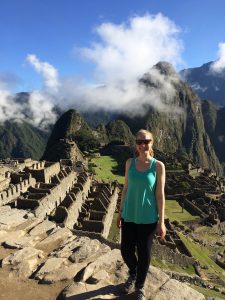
(207, 84)
(198, 133)
(183, 133)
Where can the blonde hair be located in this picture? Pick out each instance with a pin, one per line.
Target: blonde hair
(146, 132)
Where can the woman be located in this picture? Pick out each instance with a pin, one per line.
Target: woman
(141, 211)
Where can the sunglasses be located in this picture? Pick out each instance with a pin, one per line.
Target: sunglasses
(145, 142)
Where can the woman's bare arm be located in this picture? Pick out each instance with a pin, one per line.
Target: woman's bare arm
(160, 198)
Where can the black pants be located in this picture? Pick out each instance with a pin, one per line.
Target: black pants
(138, 236)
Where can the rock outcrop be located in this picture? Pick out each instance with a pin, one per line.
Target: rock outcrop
(47, 253)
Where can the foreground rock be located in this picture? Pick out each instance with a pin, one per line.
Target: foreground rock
(159, 286)
(24, 261)
(10, 218)
(49, 254)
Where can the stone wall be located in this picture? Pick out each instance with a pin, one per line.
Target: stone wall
(220, 228)
(97, 212)
(68, 211)
(220, 263)
(110, 213)
(43, 171)
(14, 192)
(4, 183)
(192, 208)
(44, 203)
(194, 279)
(164, 253)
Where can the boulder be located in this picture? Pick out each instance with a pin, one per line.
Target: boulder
(29, 224)
(176, 290)
(19, 242)
(57, 236)
(51, 265)
(82, 248)
(24, 261)
(10, 235)
(155, 279)
(44, 227)
(22, 255)
(10, 218)
(63, 273)
(106, 261)
(87, 251)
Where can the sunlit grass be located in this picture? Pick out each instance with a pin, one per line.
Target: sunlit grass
(104, 169)
(162, 264)
(208, 292)
(201, 254)
(173, 211)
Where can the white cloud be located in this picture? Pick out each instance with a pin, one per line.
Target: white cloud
(42, 109)
(126, 97)
(37, 110)
(197, 87)
(219, 65)
(8, 109)
(49, 73)
(128, 50)
(124, 53)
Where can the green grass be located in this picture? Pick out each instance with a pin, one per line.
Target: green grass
(202, 255)
(173, 211)
(114, 232)
(104, 168)
(208, 292)
(208, 235)
(162, 264)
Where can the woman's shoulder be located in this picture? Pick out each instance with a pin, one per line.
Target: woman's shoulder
(129, 160)
(159, 165)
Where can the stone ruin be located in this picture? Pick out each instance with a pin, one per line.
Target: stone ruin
(56, 221)
(61, 191)
(57, 192)
(204, 195)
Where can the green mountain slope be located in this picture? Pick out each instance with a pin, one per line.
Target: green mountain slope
(20, 139)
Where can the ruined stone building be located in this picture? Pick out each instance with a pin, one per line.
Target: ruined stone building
(59, 191)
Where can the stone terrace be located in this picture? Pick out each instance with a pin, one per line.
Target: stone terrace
(59, 192)
(97, 210)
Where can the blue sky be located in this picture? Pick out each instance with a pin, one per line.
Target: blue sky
(53, 30)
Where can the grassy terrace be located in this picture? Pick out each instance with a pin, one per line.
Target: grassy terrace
(104, 169)
(173, 211)
(202, 255)
(114, 232)
(162, 264)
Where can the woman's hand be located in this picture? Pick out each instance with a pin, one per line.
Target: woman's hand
(161, 231)
(119, 220)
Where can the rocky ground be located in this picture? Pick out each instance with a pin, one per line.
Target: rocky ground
(40, 260)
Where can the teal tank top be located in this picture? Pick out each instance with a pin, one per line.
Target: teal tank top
(139, 205)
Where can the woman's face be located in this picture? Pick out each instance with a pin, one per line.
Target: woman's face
(144, 142)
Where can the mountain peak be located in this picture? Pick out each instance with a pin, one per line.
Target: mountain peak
(165, 68)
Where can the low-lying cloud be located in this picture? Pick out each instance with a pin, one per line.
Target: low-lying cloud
(219, 65)
(123, 54)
